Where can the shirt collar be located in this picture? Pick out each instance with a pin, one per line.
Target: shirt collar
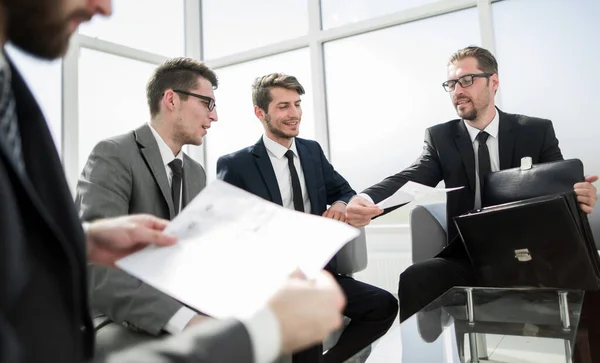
(278, 150)
(491, 129)
(165, 150)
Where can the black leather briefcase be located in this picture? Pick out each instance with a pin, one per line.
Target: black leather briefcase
(538, 242)
(531, 231)
(530, 181)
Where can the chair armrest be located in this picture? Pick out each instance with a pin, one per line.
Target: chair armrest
(352, 257)
(428, 230)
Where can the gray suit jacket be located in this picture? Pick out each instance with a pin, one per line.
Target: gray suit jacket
(126, 175)
(222, 341)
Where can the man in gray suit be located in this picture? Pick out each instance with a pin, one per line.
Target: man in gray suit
(146, 171)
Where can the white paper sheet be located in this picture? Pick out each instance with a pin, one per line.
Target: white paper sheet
(234, 251)
(409, 192)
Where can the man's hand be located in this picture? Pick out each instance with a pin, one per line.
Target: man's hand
(587, 194)
(337, 211)
(197, 319)
(113, 238)
(307, 311)
(360, 211)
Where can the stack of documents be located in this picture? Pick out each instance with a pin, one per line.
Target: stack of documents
(234, 251)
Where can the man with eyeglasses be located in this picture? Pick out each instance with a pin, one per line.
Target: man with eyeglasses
(146, 171)
(459, 152)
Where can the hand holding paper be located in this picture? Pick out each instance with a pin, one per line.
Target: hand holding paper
(233, 244)
(409, 192)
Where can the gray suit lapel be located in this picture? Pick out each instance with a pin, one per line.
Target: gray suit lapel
(151, 154)
(194, 179)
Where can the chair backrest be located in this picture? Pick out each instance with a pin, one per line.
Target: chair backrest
(352, 257)
(428, 230)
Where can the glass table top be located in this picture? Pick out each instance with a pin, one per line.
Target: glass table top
(504, 325)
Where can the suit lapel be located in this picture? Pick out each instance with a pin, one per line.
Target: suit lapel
(465, 146)
(192, 183)
(266, 170)
(506, 140)
(150, 152)
(44, 181)
(308, 167)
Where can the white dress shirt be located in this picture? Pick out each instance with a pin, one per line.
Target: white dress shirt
(492, 144)
(282, 172)
(263, 326)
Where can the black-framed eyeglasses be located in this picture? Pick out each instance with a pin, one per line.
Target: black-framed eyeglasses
(210, 102)
(464, 81)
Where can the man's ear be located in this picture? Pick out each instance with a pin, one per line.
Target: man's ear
(169, 99)
(495, 82)
(259, 112)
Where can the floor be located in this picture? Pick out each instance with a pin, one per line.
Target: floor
(404, 345)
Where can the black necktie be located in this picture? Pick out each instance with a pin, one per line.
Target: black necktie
(177, 167)
(296, 190)
(9, 128)
(483, 156)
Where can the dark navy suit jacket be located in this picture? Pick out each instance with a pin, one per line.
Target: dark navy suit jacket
(251, 169)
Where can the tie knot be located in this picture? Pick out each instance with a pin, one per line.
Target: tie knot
(482, 137)
(176, 166)
(290, 155)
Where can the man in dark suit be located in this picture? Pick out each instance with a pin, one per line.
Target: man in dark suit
(146, 171)
(43, 248)
(460, 152)
(294, 173)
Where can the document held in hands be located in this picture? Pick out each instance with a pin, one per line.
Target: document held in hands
(234, 250)
(409, 192)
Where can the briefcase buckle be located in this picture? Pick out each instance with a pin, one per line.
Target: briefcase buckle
(526, 163)
(523, 255)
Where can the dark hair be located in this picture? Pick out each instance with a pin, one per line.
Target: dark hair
(485, 59)
(178, 73)
(261, 89)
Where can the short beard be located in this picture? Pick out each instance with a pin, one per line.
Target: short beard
(276, 131)
(470, 116)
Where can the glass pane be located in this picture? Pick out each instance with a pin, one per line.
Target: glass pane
(340, 12)
(232, 26)
(384, 88)
(155, 26)
(238, 127)
(548, 53)
(519, 325)
(44, 79)
(112, 97)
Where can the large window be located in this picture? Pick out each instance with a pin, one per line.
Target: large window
(44, 81)
(238, 127)
(548, 67)
(112, 98)
(340, 12)
(384, 89)
(155, 26)
(231, 26)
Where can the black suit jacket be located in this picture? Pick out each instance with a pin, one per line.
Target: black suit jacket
(251, 169)
(448, 155)
(43, 300)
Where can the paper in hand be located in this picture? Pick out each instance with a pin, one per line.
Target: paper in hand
(409, 192)
(234, 250)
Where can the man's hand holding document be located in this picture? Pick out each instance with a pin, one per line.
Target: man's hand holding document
(409, 192)
(361, 209)
(235, 250)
